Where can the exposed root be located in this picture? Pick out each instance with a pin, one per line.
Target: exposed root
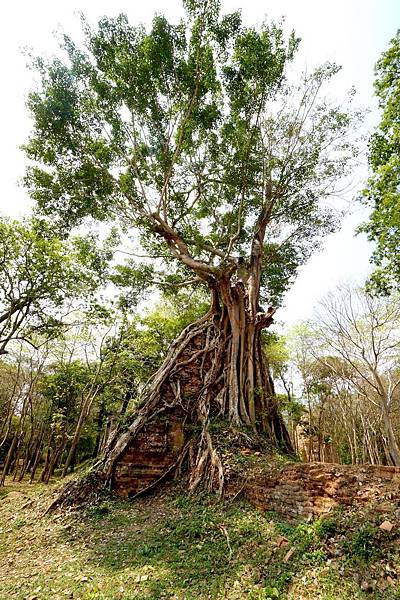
(86, 490)
(207, 468)
(214, 369)
(171, 468)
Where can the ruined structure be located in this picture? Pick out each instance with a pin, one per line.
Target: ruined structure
(155, 450)
(308, 490)
(295, 490)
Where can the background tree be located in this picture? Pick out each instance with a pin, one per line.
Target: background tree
(192, 138)
(24, 417)
(12, 382)
(363, 331)
(280, 361)
(63, 402)
(341, 418)
(382, 191)
(42, 277)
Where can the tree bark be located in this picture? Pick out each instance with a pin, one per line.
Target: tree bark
(86, 407)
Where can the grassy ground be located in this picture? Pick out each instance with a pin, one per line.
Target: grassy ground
(175, 547)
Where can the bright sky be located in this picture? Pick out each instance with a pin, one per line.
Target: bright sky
(352, 33)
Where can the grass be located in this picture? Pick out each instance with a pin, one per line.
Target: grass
(178, 547)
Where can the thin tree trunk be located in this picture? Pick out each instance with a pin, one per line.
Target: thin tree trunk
(56, 454)
(37, 457)
(99, 429)
(75, 440)
(129, 395)
(43, 474)
(28, 455)
(9, 458)
(391, 438)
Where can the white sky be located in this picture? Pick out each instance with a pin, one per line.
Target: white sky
(352, 33)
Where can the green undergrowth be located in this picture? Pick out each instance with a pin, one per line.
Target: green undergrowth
(175, 546)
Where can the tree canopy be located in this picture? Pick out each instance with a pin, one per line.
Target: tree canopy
(382, 191)
(193, 138)
(42, 277)
(221, 169)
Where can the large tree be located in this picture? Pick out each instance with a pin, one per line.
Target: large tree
(191, 136)
(382, 193)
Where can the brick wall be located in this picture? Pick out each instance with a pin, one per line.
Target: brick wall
(153, 451)
(158, 446)
(310, 489)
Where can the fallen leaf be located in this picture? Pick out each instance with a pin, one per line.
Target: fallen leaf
(288, 555)
(281, 541)
(386, 526)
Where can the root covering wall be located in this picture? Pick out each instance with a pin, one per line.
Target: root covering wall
(297, 490)
(154, 450)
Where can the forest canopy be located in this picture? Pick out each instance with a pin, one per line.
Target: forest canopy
(44, 277)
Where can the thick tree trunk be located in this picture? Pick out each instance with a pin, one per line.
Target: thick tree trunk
(215, 369)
